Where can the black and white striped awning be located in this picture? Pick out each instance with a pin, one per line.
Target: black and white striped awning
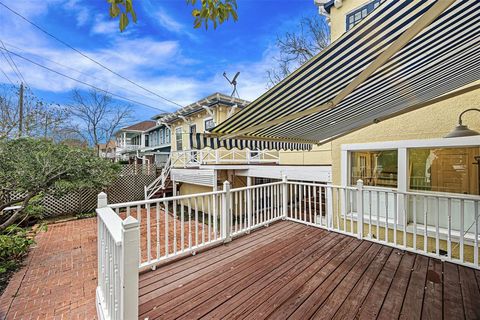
(200, 141)
(427, 49)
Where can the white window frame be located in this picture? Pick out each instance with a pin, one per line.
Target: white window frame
(178, 130)
(204, 122)
(402, 146)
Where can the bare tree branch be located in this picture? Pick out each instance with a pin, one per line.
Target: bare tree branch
(296, 48)
(99, 116)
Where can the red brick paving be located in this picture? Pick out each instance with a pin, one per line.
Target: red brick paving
(59, 278)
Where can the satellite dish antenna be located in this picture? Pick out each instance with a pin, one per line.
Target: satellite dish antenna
(233, 82)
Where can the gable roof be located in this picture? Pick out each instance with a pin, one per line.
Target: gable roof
(140, 126)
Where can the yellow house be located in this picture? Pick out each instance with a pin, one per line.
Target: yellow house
(195, 171)
(410, 152)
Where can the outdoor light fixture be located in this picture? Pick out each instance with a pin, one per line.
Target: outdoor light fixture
(462, 130)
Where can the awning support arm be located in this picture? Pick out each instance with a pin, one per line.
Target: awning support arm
(424, 21)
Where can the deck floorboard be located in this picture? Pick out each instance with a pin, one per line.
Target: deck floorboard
(289, 270)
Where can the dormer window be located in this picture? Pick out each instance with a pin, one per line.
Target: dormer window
(359, 14)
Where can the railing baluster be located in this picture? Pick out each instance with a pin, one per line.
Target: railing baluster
(395, 215)
(167, 229)
(310, 204)
(203, 219)
(196, 221)
(157, 222)
(209, 217)
(425, 229)
(190, 239)
(415, 222)
(378, 215)
(462, 233)
(437, 228)
(174, 209)
(149, 240)
(475, 242)
(370, 214)
(139, 219)
(295, 188)
(449, 231)
(386, 217)
(405, 220)
(182, 226)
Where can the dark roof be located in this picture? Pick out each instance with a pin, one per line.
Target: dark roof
(327, 6)
(141, 126)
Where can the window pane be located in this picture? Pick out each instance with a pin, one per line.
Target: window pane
(453, 170)
(375, 168)
(209, 124)
(178, 138)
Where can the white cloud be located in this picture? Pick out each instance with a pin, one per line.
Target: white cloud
(103, 26)
(167, 22)
(152, 63)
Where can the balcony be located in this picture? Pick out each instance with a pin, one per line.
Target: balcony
(288, 249)
(195, 158)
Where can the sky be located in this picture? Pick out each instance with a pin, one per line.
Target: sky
(162, 51)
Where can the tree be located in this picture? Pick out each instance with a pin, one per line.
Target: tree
(40, 119)
(296, 48)
(34, 168)
(98, 115)
(214, 11)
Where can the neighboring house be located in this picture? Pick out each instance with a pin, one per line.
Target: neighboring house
(157, 142)
(131, 139)
(107, 150)
(204, 170)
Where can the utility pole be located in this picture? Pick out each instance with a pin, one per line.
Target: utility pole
(20, 111)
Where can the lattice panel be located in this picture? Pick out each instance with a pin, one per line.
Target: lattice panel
(129, 186)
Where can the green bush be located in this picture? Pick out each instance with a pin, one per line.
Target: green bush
(14, 244)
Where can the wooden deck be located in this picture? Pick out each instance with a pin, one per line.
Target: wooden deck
(290, 270)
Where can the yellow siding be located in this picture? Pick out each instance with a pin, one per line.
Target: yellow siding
(430, 122)
(338, 16)
(187, 188)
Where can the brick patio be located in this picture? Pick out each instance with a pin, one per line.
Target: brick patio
(59, 277)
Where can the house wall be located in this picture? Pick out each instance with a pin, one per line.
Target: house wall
(220, 114)
(433, 121)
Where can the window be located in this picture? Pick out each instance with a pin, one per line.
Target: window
(178, 138)
(146, 140)
(209, 124)
(359, 14)
(453, 170)
(375, 168)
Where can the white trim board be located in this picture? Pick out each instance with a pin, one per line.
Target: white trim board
(419, 143)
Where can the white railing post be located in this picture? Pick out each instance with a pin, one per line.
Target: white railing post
(359, 209)
(226, 212)
(329, 206)
(129, 268)
(249, 202)
(284, 196)
(102, 201)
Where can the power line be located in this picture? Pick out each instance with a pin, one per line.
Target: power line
(7, 77)
(82, 82)
(86, 56)
(80, 72)
(15, 65)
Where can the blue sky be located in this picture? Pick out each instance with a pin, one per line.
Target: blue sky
(161, 52)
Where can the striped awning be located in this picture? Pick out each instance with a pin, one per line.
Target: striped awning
(401, 57)
(200, 141)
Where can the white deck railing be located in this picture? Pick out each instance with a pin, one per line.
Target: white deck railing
(189, 158)
(117, 290)
(157, 230)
